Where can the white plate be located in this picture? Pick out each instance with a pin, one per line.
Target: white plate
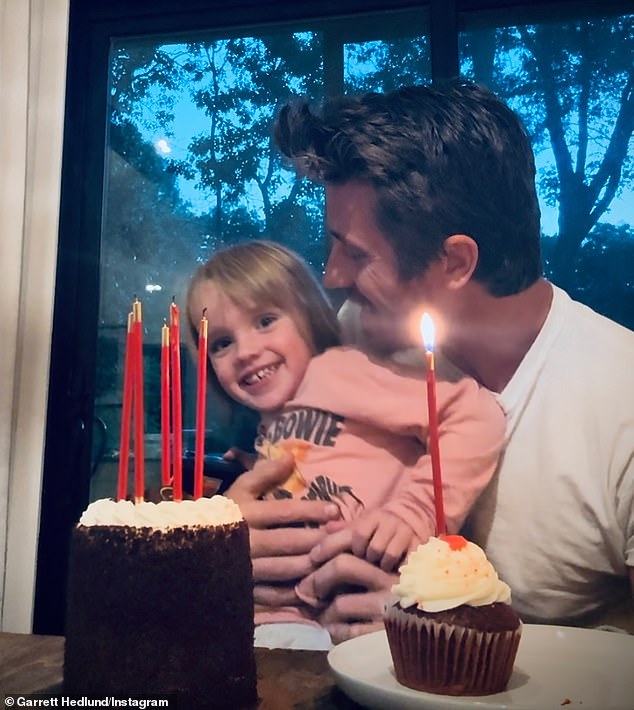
(556, 667)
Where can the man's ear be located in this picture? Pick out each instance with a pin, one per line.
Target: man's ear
(460, 258)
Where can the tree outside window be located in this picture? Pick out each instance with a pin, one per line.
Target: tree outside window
(573, 85)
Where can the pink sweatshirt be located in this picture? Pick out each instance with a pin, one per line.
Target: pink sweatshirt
(358, 430)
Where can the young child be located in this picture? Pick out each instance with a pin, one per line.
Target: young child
(357, 428)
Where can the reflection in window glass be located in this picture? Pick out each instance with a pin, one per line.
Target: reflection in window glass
(190, 168)
(572, 84)
(385, 65)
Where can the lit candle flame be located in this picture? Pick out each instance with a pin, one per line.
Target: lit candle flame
(427, 332)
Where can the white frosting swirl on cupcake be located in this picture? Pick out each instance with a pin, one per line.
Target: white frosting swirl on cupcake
(216, 510)
(447, 572)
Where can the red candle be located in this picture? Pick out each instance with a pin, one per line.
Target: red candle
(126, 414)
(427, 331)
(177, 416)
(139, 424)
(165, 406)
(201, 405)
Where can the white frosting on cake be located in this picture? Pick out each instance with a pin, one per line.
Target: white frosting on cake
(217, 510)
(445, 573)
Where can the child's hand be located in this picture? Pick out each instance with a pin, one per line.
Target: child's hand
(382, 538)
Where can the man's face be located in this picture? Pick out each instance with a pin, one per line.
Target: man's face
(363, 262)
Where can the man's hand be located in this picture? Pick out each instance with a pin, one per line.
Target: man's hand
(352, 592)
(280, 554)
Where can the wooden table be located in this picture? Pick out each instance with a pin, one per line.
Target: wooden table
(301, 680)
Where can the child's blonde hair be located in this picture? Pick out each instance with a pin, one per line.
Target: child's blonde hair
(262, 273)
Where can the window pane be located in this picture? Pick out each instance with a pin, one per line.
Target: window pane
(572, 84)
(190, 168)
(381, 65)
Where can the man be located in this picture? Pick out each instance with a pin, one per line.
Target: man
(431, 205)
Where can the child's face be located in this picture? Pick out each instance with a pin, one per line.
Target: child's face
(258, 354)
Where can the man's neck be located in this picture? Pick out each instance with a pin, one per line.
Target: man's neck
(494, 334)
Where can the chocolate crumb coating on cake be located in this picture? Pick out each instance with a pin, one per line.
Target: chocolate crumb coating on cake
(162, 611)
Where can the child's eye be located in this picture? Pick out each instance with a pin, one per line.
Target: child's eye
(267, 319)
(219, 344)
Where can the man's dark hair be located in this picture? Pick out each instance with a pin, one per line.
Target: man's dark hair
(450, 159)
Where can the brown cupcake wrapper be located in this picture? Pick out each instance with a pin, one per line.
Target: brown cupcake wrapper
(443, 658)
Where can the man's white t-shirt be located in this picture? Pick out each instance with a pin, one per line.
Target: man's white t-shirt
(557, 521)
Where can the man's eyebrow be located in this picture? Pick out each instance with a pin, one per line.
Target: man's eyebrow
(347, 243)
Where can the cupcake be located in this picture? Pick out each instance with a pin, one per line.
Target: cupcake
(451, 629)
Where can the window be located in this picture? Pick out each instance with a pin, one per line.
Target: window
(572, 82)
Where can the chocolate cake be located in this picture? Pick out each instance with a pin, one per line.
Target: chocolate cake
(162, 611)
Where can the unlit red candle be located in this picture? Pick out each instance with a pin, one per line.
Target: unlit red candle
(139, 424)
(201, 400)
(177, 416)
(165, 406)
(126, 413)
